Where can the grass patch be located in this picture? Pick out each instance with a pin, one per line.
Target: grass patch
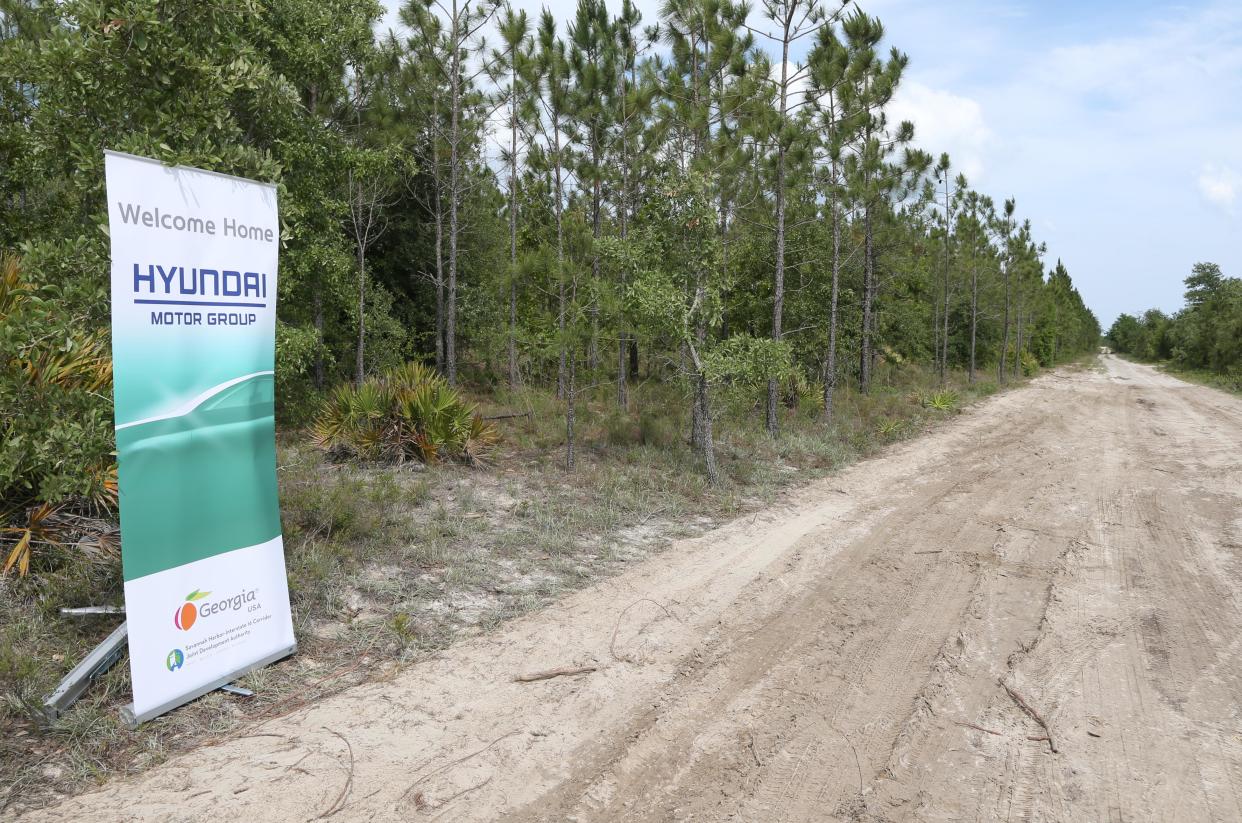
(1231, 383)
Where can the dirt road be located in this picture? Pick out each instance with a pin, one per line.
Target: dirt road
(839, 658)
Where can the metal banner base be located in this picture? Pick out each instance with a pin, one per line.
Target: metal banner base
(81, 676)
(133, 720)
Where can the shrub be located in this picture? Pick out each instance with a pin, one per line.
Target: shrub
(56, 451)
(407, 413)
(941, 401)
(58, 377)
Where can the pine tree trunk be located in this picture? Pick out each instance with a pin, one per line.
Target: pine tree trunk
(570, 413)
(696, 413)
(560, 262)
(593, 345)
(450, 326)
(359, 370)
(778, 294)
(830, 362)
(864, 366)
(623, 400)
(974, 316)
(440, 367)
(1017, 346)
(513, 216)
(1004, 352)
(944, 337)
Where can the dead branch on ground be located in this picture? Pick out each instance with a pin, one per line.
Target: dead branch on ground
(1034, 715)
(453, 763)
(612, 646)
(562, 671)
(339, 803)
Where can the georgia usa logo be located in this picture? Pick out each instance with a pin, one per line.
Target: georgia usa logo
(187, 612)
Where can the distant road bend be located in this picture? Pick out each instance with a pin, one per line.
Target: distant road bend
(894, 643)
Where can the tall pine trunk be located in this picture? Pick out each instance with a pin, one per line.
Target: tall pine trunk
(974, 314)
(623, 400)
(830, 361)
(778, 294)
(513, 217)
(440, 364)
(450, 326)
(359, 370)
(596, 193)
(864, 365)
(560, 261)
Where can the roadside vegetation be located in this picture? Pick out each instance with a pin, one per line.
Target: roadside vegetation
(546, 301)
(1201, 342)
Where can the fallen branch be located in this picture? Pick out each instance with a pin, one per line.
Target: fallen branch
(857, 762)
(976, 728)
(450, 765)
(464, 791)
(339, 803)
(934, 551)
(1034, 715)
(612, 646)
(563, 671)
(507, 416)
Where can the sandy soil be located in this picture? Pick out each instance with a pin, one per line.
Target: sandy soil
(839, 658)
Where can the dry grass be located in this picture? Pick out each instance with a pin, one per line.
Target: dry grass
(388, 565)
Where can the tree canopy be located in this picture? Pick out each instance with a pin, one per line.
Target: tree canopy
(560, 203)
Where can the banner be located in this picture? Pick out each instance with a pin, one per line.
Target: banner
(194, 258)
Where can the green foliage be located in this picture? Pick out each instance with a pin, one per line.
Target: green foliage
(627, 234)
(407, 413)
(1030, 364)
(943, 401)
(1205, 336)
(890, 429)
(57, 377)
(248, 88)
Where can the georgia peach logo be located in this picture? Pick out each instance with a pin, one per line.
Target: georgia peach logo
(187, 612)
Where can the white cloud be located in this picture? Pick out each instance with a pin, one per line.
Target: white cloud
(1220, 185)
(945, 122)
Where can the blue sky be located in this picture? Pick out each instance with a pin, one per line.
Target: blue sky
(1117, 126)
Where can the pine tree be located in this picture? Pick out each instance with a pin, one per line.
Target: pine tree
(515, 67)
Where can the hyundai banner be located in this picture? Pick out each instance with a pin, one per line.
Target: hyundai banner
(194, 257)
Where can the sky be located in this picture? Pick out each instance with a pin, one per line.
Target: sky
(1115, 124)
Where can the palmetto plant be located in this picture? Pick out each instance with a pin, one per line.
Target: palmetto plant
(941, 401)
(407, 413)
(82, 361)
(55, 373)
(890, 428)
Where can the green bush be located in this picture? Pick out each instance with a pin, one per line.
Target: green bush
(941, 401)
(408, 413)
(57, 377)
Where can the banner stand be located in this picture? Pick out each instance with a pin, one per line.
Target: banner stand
(132, 720)
(194, 259)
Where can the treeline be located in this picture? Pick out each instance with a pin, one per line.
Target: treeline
(531, 202)
(1206, 334)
